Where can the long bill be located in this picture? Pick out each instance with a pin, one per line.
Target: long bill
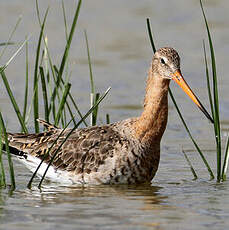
(178, 78)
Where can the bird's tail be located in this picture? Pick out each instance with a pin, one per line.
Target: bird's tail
(23, 144)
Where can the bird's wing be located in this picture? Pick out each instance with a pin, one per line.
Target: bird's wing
(84, 151)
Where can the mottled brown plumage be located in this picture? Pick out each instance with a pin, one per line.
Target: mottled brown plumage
(123, 152)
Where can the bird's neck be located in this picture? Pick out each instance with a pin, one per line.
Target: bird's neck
(151, 125)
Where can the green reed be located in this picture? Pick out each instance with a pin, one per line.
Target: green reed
(190, 165)
(26, 81)
(2, 170)
(225, 162)
(11, 168)
(94, 97)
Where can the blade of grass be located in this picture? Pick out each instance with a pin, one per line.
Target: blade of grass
(107, 118)
(95, 111)
(38, 12)
(179, 113)
(53, 110)
(26, 80)
(13, 101)
(30, 109)
(42, 59)
(64, 117)
(14, 55)
(91, 104)
(46, 61)
(150, 35)
(67, 136)
(215, 96)
(226, 157)
(65, 20)
(67, 60)
(208, 81)
(93, 96)
(7, 43)
(44, 91)
(35, 81)
(2, 174)
(10, 37)
(190, 165)
(11, 168)
(89, 64)
(62, 103)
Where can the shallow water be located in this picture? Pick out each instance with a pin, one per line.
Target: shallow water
(121, 55)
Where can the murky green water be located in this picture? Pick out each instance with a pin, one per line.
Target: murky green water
(121, 55)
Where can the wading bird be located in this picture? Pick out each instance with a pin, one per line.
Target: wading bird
(124, 152)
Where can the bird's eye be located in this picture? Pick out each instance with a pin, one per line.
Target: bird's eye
(162, 61)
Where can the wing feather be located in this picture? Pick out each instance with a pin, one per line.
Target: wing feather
(84, 151)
